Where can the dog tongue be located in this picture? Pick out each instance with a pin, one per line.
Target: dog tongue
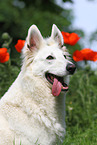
(56, 88)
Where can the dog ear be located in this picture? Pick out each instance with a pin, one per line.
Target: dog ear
(57, 35)
(34, 38)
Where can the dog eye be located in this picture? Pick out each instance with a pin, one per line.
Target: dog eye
(50, 57)
(65, 56)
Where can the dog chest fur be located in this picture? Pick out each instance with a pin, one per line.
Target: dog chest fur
(27, 115)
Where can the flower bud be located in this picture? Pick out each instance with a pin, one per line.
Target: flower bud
(5, 36)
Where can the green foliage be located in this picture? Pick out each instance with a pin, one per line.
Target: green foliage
(17, 16)
(81, 110)
(7, 76)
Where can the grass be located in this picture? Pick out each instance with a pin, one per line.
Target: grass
(81, 104)
(81, 109)
(14, 142)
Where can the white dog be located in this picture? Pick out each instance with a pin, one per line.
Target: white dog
(32, 111)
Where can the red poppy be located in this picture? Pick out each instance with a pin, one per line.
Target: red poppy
(70, 38)
(20, 45)
(4, 55)
(85, 54)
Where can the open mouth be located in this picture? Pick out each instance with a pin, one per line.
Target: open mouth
(57, 82)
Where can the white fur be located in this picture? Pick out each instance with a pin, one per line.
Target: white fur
(29, 113)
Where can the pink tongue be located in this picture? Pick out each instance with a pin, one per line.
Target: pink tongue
(56, 88)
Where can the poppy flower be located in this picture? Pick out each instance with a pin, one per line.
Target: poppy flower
(19, 45)
(70, 38)
(4, 55)
(85, 54)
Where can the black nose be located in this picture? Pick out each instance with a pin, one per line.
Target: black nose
(71, 68)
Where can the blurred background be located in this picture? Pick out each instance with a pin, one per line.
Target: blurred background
(16, 16)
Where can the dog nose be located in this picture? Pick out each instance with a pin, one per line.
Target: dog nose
(71, 68)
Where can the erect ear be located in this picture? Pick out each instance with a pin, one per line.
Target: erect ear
(57, 35)
(34, 38)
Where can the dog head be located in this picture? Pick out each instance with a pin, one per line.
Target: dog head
(48, 58)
